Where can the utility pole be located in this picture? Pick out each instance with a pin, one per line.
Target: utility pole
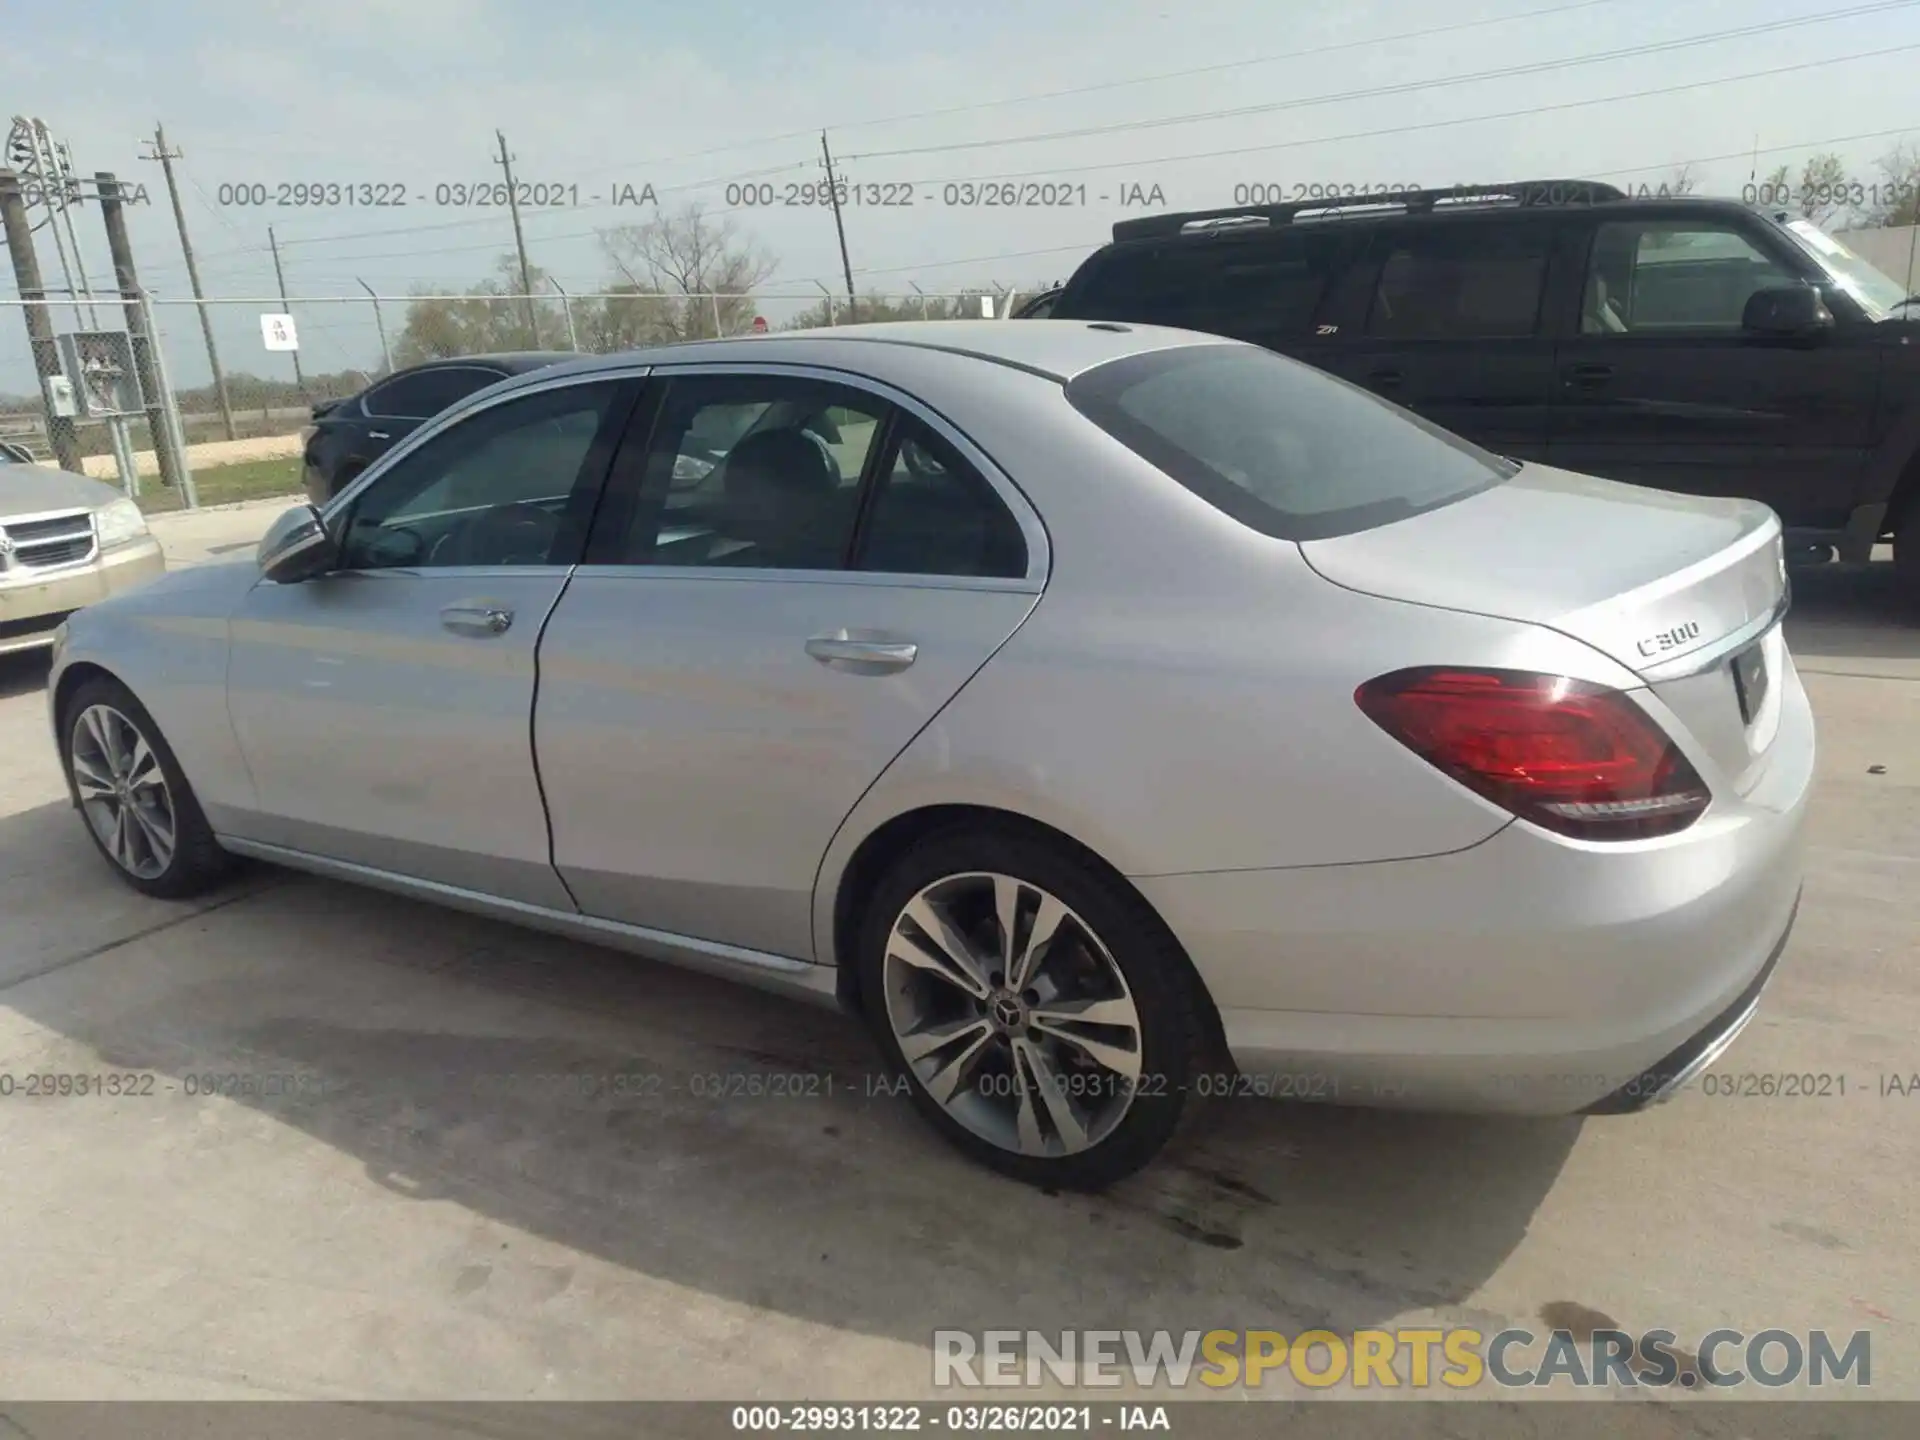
(26, 278)
(839, 226)
(274, 245)
(166, 158)
(159, 428)
(505, 162)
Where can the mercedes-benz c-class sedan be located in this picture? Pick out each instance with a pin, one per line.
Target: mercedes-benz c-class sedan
(1112, 717)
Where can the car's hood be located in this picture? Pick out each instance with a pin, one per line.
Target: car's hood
(33, 489)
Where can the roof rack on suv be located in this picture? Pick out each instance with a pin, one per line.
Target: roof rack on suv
(1413, 202)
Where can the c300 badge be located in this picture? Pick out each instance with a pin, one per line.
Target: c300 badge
(1667, 640)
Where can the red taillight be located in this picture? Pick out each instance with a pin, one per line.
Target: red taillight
(1575, 758)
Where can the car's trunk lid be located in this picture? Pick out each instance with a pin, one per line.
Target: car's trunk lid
(1677, 588)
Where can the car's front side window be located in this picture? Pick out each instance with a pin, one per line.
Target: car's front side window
(507, 486)
(752, 471)
(1650, 277)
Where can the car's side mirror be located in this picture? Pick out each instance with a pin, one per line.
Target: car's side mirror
(296, 547)
(1786, 310)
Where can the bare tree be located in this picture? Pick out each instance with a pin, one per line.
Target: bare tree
(1681, 182)
(1895, 196)
(1823, 191)
(681, 258)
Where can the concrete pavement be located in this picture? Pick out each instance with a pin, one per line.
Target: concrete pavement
(408, 1184)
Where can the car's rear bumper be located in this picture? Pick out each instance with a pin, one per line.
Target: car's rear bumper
(32, 607)
(1527, 974)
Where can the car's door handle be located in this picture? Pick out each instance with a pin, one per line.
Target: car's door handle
(870, 656)
(1588, 377)
(1386, 379)
(477, 619)
(378, 435)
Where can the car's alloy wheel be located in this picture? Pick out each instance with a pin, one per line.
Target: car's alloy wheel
(1011, 1014)
(123, 792)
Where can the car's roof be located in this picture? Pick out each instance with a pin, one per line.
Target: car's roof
(514, 362)
(1244, 223)
(1056, 349)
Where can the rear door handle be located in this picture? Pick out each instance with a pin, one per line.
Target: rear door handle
(1589, 376)
(378, 435)
(871, 657)
(477, 619)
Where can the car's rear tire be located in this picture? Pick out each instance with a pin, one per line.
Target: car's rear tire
(135, 802)
(998, 1042)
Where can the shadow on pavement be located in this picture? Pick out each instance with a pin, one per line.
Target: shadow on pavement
(622, 1108)
(23, 673)
(1852, 612)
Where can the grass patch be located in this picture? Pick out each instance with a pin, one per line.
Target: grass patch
(226, 484)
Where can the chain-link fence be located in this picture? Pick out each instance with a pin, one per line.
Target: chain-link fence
(183, 413)
(100, 402)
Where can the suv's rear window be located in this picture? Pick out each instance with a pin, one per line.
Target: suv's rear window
(1283, 448)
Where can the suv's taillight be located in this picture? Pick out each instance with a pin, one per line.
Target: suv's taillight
(1576, 758)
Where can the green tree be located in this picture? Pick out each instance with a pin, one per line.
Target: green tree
(487, 318)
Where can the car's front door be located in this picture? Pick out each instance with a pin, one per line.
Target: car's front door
(384, 708)
(1660, 385)
(756, 633)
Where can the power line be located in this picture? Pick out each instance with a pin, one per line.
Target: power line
(1507, 72)
(1523, 113)
(1520, 114)
(1426, 32)
(1299, 102)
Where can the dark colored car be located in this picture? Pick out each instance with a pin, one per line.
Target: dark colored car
(1040, 307)
(349, 435)
(1700, 345)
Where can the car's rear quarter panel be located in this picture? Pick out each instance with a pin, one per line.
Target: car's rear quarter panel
(1180, 701)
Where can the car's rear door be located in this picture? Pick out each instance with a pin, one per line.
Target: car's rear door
(1452, 326)
(384, 709)
(752, 640)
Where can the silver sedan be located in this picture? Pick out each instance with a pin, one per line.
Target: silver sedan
(1112, 717)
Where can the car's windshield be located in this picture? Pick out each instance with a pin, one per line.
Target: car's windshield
(1878, 293)
(1285, 449)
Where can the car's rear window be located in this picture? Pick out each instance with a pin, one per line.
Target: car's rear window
(1284, 449)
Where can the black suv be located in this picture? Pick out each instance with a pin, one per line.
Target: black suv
(1693, 344)
(349, 435)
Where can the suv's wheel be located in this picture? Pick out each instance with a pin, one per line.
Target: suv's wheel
(1039, 1012)
(1906, 548)
(137, 804)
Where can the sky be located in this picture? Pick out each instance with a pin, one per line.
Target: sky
(1177, 102)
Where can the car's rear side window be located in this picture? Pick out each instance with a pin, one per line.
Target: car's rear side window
(1460, 282)
(1283, 448)
(1261, 289)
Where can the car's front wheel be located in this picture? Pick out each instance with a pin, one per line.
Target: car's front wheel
(1038, 1011)
(137, 805)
